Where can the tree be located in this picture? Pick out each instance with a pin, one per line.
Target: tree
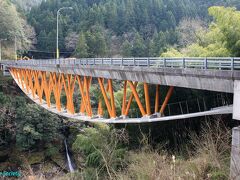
(139, 48)
(102, 149)
(221, 39)
(227, 21)
(35, 127)
(100, 45)
(190, 31)
(96, 43)
(71, 41)
(82, 47)
(13, 25)
(126, 48)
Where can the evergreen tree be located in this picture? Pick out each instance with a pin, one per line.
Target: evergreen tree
(127, 49)
(82, 47)
(139, 47)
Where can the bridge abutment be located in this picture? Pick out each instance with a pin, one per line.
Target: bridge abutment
(236, 100)
(235, 154)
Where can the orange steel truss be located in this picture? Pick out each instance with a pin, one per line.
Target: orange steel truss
(51, 86)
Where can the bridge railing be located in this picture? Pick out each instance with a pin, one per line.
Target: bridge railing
(220, 63)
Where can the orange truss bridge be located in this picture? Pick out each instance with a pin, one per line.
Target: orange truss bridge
(45, 81)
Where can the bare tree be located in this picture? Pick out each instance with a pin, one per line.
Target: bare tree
(190, 31)
(71, 41)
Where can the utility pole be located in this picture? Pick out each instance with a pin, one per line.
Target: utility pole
(58, 13)
(1, 48)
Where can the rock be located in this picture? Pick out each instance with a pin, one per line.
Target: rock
(35, 158)
(59, 159)
(49, 168)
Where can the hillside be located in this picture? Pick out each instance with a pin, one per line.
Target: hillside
(114, 27)
(26, 4)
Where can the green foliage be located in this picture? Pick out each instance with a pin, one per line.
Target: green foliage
(82, 47)
(51, 150)
(135, 21)
(102, 148)
(227, 23)
(126, 49)
(13, 25)
(172, 53)
(35, 127)
(221, 39)
(219, 175)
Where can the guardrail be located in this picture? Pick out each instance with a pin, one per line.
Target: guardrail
(221, 63)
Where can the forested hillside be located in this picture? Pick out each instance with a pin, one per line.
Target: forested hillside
(26, 4)
(100, 28)
(14, 27)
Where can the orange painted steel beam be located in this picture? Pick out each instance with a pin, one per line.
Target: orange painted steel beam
(112, 98)
(36, 82)
(85, 94)
(25, 80)
(157, 99)
(41, 90)
(137, 98)
(46, 88)
(69, 90)
(100, 81)
(88, 82)
(85, 82)
(57, 88)
(130, 100)
(100, 109)
(124, 97)
(83, 97)
(168, 96)
(84, 106)
(147, 99)
(30, 81)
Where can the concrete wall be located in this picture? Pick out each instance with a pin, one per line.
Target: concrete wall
(235, 154)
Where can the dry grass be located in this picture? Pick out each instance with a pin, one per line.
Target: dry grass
(210, 160)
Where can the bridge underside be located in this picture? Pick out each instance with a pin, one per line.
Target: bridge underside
(46, 89)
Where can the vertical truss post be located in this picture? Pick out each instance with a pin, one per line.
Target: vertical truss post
(40, 92)
(57, 84)
(147, 99)
(100, 109)
(85, 95)
(112, 98)
(25, 80)
(83, 106)
(46, 88)
(36, 82)
(69, 89)
(100, 81)
(169, 94)
(157, 99)
(88, 82)
(124, 97)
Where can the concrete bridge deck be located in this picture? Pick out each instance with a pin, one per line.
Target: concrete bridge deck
(213, 74)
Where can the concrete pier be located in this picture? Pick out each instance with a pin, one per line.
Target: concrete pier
(235, 154)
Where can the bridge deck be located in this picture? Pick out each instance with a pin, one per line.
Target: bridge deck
(214, 74)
